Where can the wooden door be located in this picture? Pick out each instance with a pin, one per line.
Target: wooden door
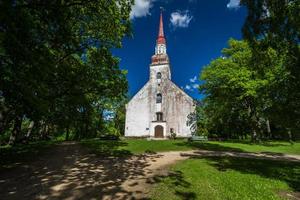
(159, 131)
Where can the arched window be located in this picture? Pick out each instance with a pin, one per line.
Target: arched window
(158, 75)
(158, 98)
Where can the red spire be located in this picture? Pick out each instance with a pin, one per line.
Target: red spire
(161, 38)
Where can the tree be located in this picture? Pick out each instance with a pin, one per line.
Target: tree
(238, 92)
(197, 121)
(120, 116)
(276, 24)
(56, 63)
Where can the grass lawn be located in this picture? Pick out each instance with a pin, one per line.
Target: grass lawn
(136, 146)
(275, 147)
(229, 178)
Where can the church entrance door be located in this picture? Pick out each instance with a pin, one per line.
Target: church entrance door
(159, 131)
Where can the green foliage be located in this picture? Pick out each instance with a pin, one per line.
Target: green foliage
(254, 88)
(173, 135)
(275, 24)
(112, 130)
(239, 91)
(202, 121)
(197, 121)
(57, 69)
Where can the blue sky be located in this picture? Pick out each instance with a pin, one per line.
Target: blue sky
(195, 30)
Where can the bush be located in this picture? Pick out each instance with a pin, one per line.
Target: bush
(173, 135)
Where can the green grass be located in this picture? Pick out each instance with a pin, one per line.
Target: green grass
(274, 147)
(228, 178)
(137, 146)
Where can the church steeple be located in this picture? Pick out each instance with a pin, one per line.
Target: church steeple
(161, 37)
(160, 60)
(161, 47)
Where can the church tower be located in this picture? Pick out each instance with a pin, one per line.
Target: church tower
(160, 108)
(160, 59)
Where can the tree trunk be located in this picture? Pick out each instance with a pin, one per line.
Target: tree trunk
(269, 129)
(46, 132)
(260, 132)
(16, 131)
(42, 129)
(2, 123)
(290, 136)
(67, 134)
(253, 136)
(253, 123)
(29, 131)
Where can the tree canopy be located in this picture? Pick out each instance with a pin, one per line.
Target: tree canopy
(255, 85)
(237, 93)
(57, 70)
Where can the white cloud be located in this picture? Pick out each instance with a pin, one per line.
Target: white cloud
(195, 86)
(141, 8)
(233, 4)
(193, 80)
(181, 19)
(192, 87)
(189, 88)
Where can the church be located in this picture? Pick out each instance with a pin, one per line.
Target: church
(160, 108)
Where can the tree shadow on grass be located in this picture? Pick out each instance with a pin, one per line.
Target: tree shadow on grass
(209, 146)
(176, 180)
(107, 147)
(288, 172)
(269, 144)
(260, 143)
(179, 181)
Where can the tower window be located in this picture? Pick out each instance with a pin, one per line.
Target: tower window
(158, 98)
(159, 116)
(158, 75)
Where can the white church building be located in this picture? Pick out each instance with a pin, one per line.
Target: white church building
(160, 107)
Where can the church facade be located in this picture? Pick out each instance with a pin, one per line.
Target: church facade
(160, 107)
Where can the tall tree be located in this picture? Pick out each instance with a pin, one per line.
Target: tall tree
(276, 24)
(55, 58)
(238, 95)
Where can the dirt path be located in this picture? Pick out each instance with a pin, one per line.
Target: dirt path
(70, 172)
